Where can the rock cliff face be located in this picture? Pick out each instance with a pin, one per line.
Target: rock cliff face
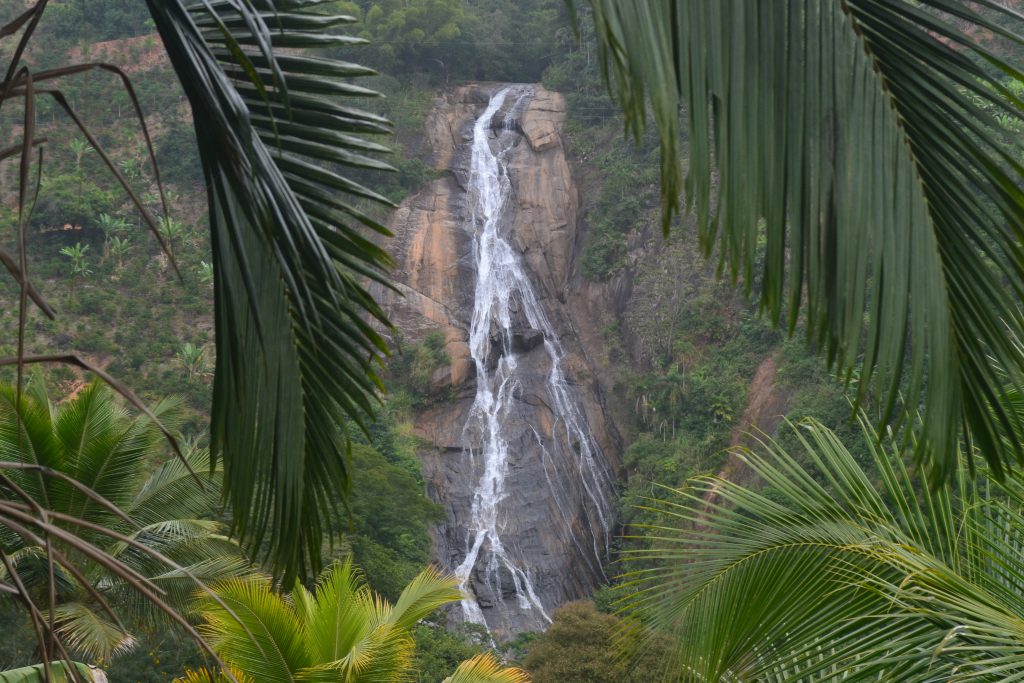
(554, 523)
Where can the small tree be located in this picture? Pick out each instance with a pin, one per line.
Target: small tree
(131, 168)
(79, 147)
(118, 249)
(110, 225)
(173, 231)
(79, 266)
(206, 272)
(193, 359)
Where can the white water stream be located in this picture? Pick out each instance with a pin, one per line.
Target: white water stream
(502, 288)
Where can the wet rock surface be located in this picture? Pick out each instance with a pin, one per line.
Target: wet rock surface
(547, 518)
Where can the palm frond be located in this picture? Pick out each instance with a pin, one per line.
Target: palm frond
(859, 140)
(207, 676)
(484, 668)
(823, 575)
(334, 614)
(70, 551)
(171, 491)
(85, 630)
(383, 655)
(261, 635)
(341, 630)
(26, 435)
(296, 351)
(176, 584)
(102, 449)
(427, 592)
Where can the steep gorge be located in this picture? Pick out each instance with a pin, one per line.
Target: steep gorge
(522, 454)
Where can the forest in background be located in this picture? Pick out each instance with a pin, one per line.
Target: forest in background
(681, 401)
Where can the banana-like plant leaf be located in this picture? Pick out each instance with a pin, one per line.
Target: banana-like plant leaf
(59, 673)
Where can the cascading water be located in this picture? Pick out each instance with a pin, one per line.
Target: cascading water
(505, 304)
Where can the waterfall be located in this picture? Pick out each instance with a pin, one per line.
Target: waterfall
(505, 303)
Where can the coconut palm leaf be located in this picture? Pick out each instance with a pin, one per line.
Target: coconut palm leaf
(336, 615)
(428, 591)
(296, 351)
(207, 676)
(485, 668)
(353, 632)
(341, 630)
(87, 630)
(825, 575)
(262, 638)
(88, 530)
(170, 491)
(860, 140)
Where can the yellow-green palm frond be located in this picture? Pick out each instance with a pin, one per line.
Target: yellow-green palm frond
(484, 668)
(254, 629)
(89, 631)
(341, 630)
(210, 676)
(428, 591)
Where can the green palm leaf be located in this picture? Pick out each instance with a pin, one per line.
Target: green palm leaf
(858, 138)
(428, 591)
(87, 630)
(296, 353)
(170, 491)
(352, 630)
(336, 615)
(485, 668)
(262, 637)
(117, 538)
(341, 630)
(824, 575)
